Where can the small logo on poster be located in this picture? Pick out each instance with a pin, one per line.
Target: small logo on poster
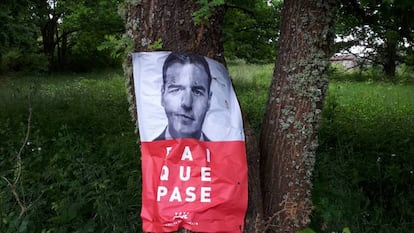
(181, 215)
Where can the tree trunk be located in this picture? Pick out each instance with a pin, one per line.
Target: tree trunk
(289, 132)
(169, 25)
(172, 24)
(288, 139)
(390, 59)
(63, 50)
(48, 38)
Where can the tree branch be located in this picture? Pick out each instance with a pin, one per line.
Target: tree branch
(18, 172)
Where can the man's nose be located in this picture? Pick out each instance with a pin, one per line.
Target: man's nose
(187, 100)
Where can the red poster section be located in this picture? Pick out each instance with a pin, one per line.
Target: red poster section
(200, 186)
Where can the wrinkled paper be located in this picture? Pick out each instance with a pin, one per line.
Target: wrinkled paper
(190, 183)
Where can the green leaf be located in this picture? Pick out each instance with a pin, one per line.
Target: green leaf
(306, 230)
(23, 226)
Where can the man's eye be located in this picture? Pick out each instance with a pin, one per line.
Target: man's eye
(173, 89)
(198, 92)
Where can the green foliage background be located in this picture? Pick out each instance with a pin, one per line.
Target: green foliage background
(88, 35)
(81, 165)
(364, 173)
(251, 30)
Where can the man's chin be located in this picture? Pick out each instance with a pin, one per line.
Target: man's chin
(186, 134)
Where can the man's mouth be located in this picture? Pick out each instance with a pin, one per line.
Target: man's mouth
(186, 117)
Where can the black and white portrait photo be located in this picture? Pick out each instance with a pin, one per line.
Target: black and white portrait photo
(184, 95)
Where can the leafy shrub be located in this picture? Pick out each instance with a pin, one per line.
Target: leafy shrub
(404, 74)
(16, 60)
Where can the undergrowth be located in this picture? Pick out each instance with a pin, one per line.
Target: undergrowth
(80, 167)
(364, 172)
(81, 164)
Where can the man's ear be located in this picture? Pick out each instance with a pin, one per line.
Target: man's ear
(162, 95)
(209, 100)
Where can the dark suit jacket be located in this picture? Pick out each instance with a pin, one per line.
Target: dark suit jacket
(162, 136)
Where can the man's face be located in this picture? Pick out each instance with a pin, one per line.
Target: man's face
(186, 99)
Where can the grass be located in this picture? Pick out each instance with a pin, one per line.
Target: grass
(251, 83)
(364, 173)
(81, 164)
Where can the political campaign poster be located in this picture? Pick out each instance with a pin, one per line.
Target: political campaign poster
(194, 168)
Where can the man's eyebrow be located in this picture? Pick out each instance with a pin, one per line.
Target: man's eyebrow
(173, 85)
(199, 87)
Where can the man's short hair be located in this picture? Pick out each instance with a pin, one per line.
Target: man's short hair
(185, 58)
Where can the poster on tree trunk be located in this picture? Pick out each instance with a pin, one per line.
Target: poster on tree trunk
(194, 168)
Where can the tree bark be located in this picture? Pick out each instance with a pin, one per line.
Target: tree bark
(171, 25)
(289, 132)
(390, 59)
(49, 30)
(288, 139)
